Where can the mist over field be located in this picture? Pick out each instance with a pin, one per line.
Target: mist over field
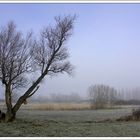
(104, 47)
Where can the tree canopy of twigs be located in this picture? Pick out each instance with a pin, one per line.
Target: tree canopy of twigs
(20, 55)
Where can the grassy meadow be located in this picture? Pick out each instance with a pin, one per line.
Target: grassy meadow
(69, 120)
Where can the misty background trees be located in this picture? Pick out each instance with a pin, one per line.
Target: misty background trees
(104, 96)
(21, 56)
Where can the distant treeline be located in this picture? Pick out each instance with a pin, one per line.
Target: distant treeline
(97, 94)
(58, 98)
(127, 102)
(104, 96)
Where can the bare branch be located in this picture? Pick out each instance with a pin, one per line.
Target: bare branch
(60, 68)
(50, 51)
(15, 56)
(33, 92)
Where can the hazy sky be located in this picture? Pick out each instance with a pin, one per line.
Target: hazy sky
(104, 48)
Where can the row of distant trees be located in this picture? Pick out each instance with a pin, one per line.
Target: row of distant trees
(103, 96)
(99, 96)
(59, 97)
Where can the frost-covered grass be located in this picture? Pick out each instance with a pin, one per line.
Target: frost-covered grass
(78, 123)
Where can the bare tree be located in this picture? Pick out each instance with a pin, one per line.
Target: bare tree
(101, 96)
(18, 57)
(14, 62)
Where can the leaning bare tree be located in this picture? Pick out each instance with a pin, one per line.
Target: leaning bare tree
(21, 55)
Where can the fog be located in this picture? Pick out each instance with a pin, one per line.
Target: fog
(104, 47)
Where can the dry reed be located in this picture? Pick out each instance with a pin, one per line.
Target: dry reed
(57, 106)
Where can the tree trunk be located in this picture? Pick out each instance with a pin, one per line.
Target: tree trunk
(11, 111)
(22, 99)
(10, 116)
(8, 97)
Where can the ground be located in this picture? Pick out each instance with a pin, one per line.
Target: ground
(78, 123)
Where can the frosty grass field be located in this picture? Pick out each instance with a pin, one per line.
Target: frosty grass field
(70, 123)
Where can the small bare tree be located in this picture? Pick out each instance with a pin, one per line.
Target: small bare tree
(19, 56)
(101, 96)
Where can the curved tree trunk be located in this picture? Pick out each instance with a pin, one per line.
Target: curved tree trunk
(10, 116)
(28, 93)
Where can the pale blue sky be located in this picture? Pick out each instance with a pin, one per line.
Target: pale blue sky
(105, 46)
